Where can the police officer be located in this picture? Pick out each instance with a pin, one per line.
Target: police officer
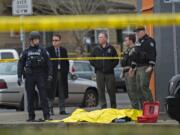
(130, 81)
(144, 58)
(34, 64)
(105, 70)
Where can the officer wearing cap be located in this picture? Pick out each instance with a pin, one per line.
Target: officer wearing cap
(34, 64)
(144, 59)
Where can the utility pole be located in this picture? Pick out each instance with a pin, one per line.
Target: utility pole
(174, 42)
(21, 8)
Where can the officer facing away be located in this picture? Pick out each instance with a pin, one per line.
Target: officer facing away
(130, 81)
(144, 58)
(34, 64)
(105, 70)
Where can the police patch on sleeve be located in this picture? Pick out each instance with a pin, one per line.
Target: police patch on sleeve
(152, 44)
(131, 51)
(137, 44)
(47, 53)
(20, 55)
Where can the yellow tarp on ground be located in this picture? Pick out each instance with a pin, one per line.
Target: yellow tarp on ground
(101, 116)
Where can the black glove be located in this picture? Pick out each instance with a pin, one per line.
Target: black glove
(49, 82)
(19, 81)
(49, 78)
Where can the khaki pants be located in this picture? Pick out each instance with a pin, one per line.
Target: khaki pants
(142, 83)
(132, 91)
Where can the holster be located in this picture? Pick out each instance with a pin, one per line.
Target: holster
(28, 70)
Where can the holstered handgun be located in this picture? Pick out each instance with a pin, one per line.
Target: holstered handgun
(124, 71)
(27, 70)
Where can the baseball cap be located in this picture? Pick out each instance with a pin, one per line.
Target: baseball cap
(137, 29)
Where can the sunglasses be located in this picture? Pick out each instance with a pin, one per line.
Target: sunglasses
(55, 40)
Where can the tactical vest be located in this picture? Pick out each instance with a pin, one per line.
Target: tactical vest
(35, 59)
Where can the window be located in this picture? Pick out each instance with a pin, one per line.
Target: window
(82, 66)
(7, 55)
(8, 68)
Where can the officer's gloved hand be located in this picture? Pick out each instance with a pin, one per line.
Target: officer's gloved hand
(149, 69)
(49, 82)
(49, 78)
(19, 81)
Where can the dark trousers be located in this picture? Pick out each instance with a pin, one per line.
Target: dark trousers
(30, 83)
(106, 81)
(60, 88)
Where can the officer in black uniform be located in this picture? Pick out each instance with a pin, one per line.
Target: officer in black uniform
(105, 70)
(34, 64)
(144, 58)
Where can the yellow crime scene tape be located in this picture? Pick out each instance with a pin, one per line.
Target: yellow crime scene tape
(88, 58)
(81, 22)
(76, 59)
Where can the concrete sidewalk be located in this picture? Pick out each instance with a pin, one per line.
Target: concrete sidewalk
(9, 119)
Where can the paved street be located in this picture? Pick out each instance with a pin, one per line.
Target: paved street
(122, 102)
(13, 117)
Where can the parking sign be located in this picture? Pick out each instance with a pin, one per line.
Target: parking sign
(22, 7)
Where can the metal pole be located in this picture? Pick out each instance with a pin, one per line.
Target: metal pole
(22, 39)
(44, 39)
(139, 6)
(174, 42)
(22, 35)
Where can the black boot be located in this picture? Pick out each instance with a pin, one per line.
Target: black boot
(47, 118)
(63, 113)
(31, 119)
(113, 106)
(103, 106)
(50, 105)
(51, 111)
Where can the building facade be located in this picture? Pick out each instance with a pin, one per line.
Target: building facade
(168, 50)
(12, 39)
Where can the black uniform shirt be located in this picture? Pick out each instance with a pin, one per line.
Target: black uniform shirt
(105, 66)
(126, 60)
(34, 52)
(145, 52)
